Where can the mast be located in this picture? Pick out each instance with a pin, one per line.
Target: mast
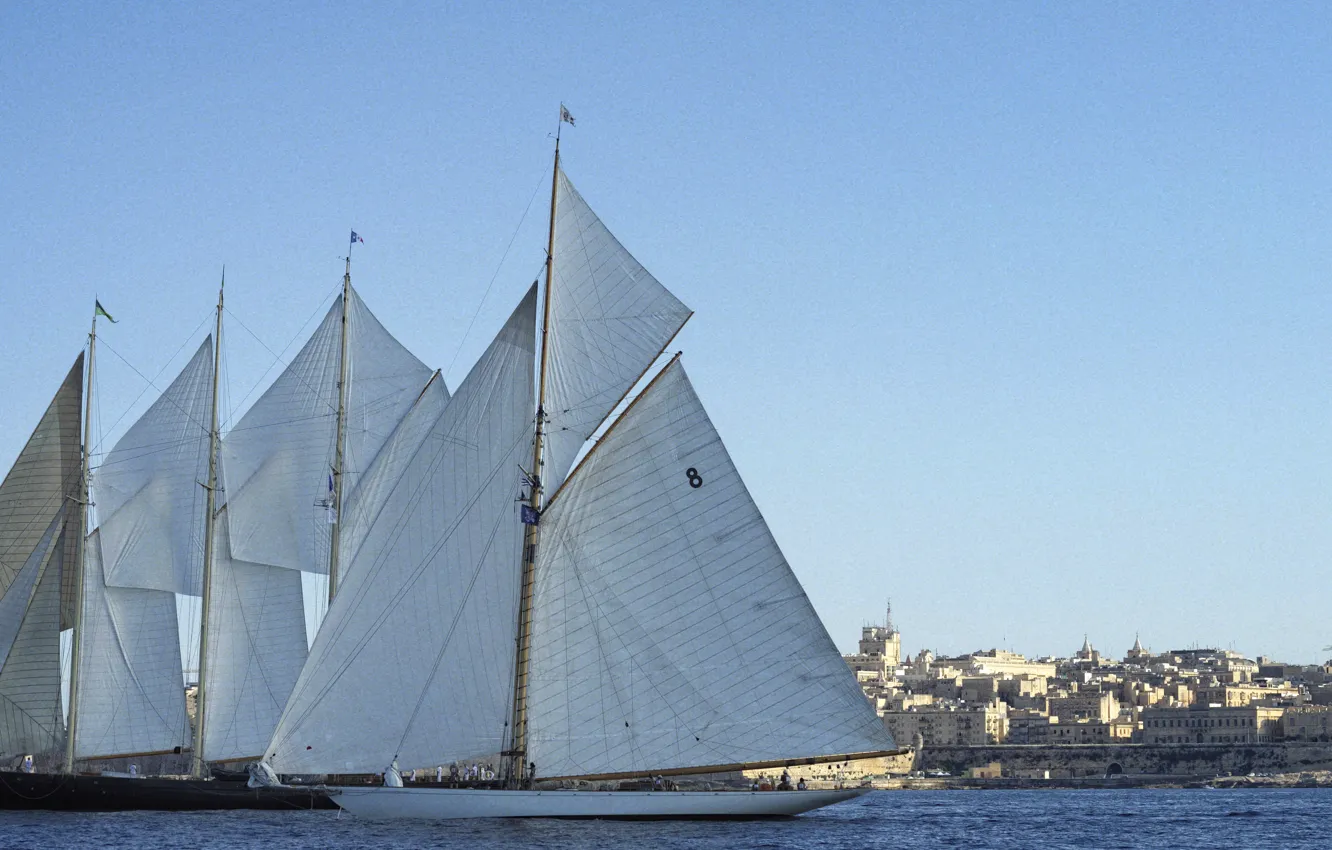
(335, 545)
(201, 701)
(518, 725)
(76, 654)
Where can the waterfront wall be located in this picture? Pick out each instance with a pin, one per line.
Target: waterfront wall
(1096, 760)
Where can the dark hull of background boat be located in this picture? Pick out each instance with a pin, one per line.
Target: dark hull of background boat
(58, 792)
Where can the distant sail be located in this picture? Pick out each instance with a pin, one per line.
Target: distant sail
(131, 687)
(609, 320)
(31, 718)
(256, 646)
(276, 460)
(40, 483)
(146, 491)
(415, 658)
(670, 631)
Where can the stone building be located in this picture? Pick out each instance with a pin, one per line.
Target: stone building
(1201, 724)
(1307, 723)
(995, 662)
(1083, 731)
(880, 651)
(1089, 705)
(950, 725)
(1232, 695)
(1137, 655)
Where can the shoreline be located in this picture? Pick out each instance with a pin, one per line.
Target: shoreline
(1305, 779)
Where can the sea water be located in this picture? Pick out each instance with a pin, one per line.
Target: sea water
(1130, 818)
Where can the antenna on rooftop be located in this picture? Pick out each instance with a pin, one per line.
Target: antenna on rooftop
(888, 616)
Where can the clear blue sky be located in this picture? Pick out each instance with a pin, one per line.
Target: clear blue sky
(1019, 316)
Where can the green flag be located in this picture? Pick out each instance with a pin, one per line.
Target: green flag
(101, 311)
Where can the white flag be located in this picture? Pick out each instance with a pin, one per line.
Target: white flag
(565, 116)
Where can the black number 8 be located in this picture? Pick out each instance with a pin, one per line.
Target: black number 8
(695, 480)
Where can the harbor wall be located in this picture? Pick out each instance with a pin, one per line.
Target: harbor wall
(1073, 761)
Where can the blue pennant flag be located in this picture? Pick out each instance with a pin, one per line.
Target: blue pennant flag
(531, 516)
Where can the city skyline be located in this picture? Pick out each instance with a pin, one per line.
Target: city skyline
(1016, 315)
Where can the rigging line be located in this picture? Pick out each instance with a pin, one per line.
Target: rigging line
(277, 358)
(163, 395)
(495, 276)
(151, 384)
(145, 450)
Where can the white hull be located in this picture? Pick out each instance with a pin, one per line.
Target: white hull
(448, 803)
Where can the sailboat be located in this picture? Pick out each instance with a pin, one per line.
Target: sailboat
(127, 702)
(639, 622)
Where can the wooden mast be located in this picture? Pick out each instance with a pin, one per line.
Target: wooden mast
(76, 654)
(517, 752)
(201, 702)
(335, 544)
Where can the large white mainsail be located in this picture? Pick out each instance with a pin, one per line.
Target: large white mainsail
(609, 320)
(38, 525)
(670, 631)
(415, 658)
(276, 464)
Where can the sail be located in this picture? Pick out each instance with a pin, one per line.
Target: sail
(45, 475)
(31, 720)
(278, 459)
(362, 507)
(150, 506)
(668, 629)
(256, 646)
(131, 687)
(609, 320)
(414, 660)
(15, 601)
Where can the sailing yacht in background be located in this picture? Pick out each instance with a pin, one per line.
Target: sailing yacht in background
(40, 511)
(347, 390)
(641, 621)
